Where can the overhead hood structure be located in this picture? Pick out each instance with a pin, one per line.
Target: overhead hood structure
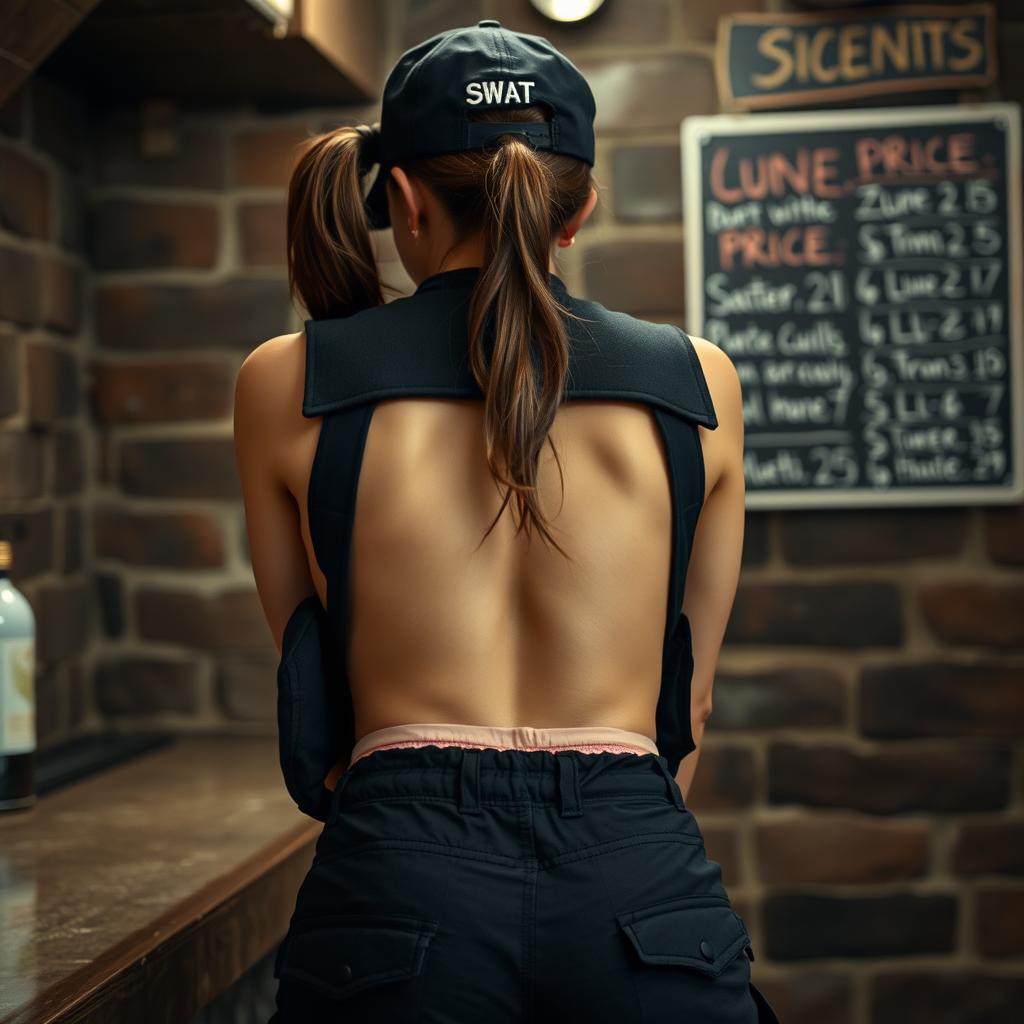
(216, 52)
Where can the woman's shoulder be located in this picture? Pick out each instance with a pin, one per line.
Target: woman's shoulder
(275, 361)
(270, 383)
(723, 449)
(719, 370)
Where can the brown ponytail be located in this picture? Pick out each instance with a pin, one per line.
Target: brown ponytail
(331, 265)
(519, 198)
(513, 291)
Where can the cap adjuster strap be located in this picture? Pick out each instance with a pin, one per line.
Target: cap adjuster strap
(538, 134)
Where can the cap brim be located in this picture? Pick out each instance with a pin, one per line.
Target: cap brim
(377, 201)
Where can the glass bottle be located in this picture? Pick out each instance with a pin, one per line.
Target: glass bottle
(17, 692)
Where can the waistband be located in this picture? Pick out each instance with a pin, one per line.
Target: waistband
(586, 739)
(477, 775)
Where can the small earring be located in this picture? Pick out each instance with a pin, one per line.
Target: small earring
(415, 232)
(572, 242)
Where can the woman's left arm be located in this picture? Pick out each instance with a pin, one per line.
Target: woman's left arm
(268, 411)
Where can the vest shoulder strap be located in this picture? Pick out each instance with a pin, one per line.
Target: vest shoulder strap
(419, 346)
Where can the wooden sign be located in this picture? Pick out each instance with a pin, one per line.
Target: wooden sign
(787, 60)
(862, 269)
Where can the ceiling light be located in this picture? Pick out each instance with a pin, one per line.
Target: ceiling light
(567, 10)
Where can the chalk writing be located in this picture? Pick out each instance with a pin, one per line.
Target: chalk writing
(861, 277)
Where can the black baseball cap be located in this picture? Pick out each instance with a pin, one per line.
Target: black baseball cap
(436, 84)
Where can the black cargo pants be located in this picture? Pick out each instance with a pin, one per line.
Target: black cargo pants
(454, 885)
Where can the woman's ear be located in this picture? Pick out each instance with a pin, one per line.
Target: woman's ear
(579, 218)
(408, 204)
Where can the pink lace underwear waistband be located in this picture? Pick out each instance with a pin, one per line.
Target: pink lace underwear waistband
(590, 739)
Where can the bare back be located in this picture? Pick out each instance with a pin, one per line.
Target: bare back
(507, 632)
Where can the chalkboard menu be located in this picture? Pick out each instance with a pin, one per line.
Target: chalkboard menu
(862, 269)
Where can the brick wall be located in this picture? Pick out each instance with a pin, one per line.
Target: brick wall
(45, 439)
(862, 780)
(141, 258)
(187, 248)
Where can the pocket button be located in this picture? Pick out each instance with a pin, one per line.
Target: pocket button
(346, 971)
(706, 950)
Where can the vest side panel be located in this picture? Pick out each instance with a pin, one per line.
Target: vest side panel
(673, 713)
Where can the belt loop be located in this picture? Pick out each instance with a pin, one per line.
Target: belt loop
(569, 799)
(339, 788)
(469, 781)
(673, 787)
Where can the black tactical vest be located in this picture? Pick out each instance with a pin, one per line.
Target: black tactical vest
(418, 346)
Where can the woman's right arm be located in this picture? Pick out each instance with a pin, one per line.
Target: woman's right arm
(714, 567)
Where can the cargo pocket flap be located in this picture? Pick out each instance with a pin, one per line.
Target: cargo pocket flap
(341, 955)
(702, 932)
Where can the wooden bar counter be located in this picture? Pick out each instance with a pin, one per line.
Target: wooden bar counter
(142, 892)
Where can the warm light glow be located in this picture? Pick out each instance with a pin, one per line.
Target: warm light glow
(277, 11)
(567, 10)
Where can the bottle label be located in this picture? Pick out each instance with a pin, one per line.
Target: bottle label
(17, 695)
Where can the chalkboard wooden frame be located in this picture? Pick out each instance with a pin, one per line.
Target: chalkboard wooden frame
(694, 130)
